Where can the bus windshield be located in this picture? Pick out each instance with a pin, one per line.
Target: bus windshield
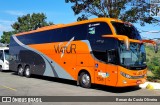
(135, 57)
(6, 53)
(127, 30)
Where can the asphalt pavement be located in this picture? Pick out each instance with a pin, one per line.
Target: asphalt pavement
(14, 85)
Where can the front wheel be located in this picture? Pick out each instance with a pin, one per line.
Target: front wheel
(85, 80)
(27, 72)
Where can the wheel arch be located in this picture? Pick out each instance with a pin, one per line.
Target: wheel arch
(19, 65)
(27, 65)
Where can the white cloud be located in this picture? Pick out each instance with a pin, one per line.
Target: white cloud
(5, 25)
(5, 28)
(153, 31)
(15, 13)
(6, 22)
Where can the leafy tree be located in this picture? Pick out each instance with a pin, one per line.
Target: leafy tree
(30, 22)
(5, 38)
(126, 10)
(26, 23)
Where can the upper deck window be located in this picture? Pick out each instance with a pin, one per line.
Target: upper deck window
(127, 30)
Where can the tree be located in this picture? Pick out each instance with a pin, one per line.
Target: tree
(126, 10)
(5, 38)
(30, 22)
(26, 23)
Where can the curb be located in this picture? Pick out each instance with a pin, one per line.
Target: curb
(150, 85)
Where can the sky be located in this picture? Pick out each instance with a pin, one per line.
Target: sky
(56, 11)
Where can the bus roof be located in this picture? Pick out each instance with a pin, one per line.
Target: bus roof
(66, 25)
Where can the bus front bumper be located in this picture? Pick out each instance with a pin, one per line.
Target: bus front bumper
(123, 82)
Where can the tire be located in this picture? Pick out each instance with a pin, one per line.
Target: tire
(85, 80)
(20, 71)
(27, 71)
(1, 69)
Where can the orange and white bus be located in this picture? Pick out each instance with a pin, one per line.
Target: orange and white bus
(102, 51)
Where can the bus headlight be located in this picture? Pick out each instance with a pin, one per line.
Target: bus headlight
(125, 75)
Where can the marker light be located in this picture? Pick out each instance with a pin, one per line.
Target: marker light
(132, 77)
(125, 75)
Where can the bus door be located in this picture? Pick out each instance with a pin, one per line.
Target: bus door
(111, 74)
(111, 68)
(100, 72)
(106, 72)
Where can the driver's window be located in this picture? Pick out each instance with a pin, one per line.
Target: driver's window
(125, 57)
(112, 56)
(1, 55)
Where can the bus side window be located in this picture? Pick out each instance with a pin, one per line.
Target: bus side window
(1, 55)
(11, 57)
(111, 56)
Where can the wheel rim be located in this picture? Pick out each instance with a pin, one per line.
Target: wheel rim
(20, 71)
(27, 72)
(85, 79)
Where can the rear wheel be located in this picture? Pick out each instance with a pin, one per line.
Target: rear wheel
(20, 71)
(85, 80)
(27, 71)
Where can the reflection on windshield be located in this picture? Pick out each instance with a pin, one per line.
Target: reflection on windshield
(6, 53)
(136, 56)
(125, 29)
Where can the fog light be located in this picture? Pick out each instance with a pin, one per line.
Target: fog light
(124, 81)
(139, 81)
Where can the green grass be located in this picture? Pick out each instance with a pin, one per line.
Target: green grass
(149, 73)
(150, 55)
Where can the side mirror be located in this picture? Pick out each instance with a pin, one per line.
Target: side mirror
(156, 48)
(127, 43)
(152, 42)
(120, 37)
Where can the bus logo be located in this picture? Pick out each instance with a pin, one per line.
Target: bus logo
(65, 49)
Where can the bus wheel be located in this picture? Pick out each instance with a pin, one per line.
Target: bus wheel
(85, 80)
(20, 71)
(27, 71)
(1, 68)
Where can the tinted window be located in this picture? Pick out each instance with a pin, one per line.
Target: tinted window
(1, 55)
(42, 37)
(100, 49)
(79, 32)
(126, 29)
(96, 30)
(6, 53)
(99, 44)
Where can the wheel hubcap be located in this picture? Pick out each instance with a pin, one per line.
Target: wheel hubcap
(20, 70)
(27, 71)
(85, 79)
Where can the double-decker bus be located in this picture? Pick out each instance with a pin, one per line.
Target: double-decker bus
(102, 51)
